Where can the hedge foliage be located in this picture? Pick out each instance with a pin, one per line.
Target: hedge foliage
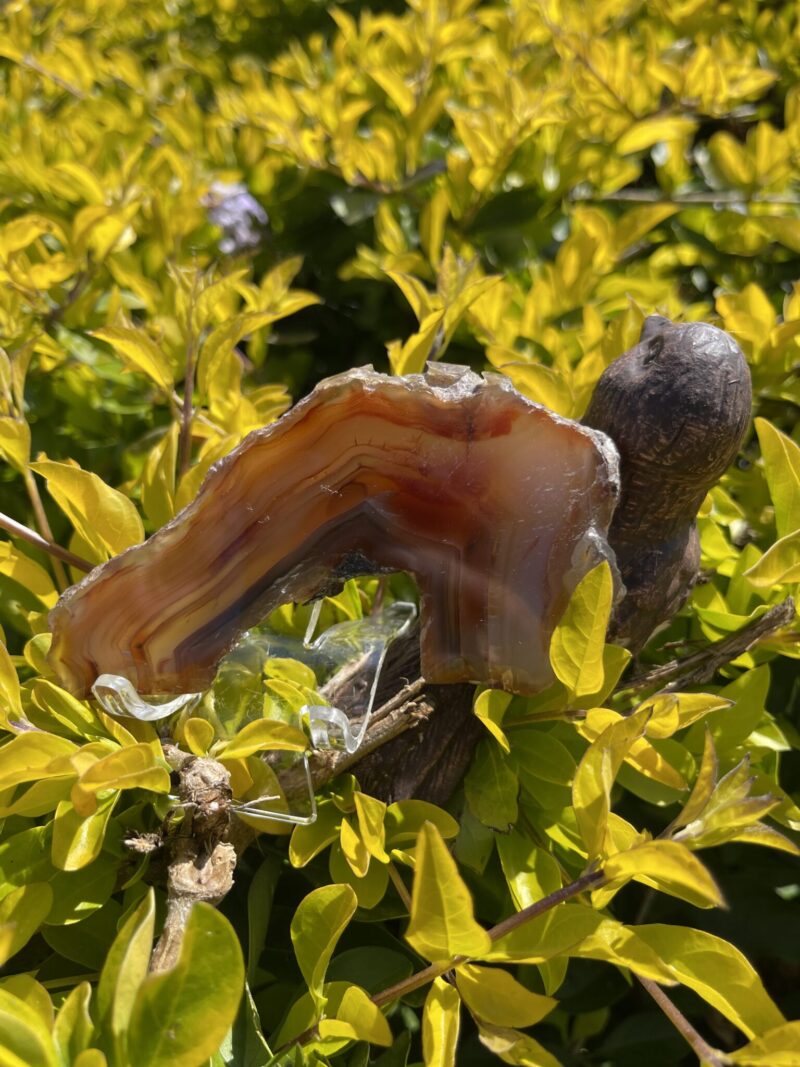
(204, 208)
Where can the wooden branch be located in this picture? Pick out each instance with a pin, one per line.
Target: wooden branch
(703, 665)
(707, 1056)
(35, 539)
(200, 862)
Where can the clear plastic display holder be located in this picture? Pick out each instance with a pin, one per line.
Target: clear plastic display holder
(347, 658)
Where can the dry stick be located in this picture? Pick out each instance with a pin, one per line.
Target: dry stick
(705, 1053)
(702, 666)
(33, 538)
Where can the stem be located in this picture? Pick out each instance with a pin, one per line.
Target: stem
(656, 196)
(400, 886)
(703, 665)
(185, 446)
(44, 527)
(434, 970)
(33, 538)
(705, 1053)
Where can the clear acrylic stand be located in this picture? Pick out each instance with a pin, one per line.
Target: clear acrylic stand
(352, 651)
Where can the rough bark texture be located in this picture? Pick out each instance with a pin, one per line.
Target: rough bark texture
(676, 406)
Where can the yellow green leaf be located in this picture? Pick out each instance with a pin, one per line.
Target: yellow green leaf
(780, 563)
(10, 701)
(132, 767)
(27, 757)
(78, 837)
(21, 568)
(405, 818)
(496, 997)
(361, 1017)
(576, 647)
(513, 1047)
(371, 814)
(442, 923)
(22, 912)
(264, 734)
(440, 1024)
(15, 442)
(125, 968)
(490, 707)
(776, 1048)
(551, 934)
(181, 1016)
(591, 789)
(317, 925)
(649, 131)
(666, 865)
(24, 1039)
(782, 467)
(716, 971)
(139, 352)
(105, 518)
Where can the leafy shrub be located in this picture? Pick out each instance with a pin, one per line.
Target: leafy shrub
(205, 207)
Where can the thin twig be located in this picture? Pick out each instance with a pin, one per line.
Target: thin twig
(703, 665)
(185, 446)
(705, 1053)
(657, 196)
(44, 526)
(588, 880)
(400, 886)
(26, 534)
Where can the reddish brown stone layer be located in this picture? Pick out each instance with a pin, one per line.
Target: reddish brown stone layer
(496, 505)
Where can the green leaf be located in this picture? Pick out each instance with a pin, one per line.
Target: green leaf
(490, 707)
(24, 1039)
(105, 518)
(717, 972)
(33, 756)
(405, 819)
(317, 925)
(125, 969)
(576, 647)
(78, 838)
(22, 912)
(531, 872)
(308, 841)
(73, 1027)
(181, 1016)
(665, 865)
(782, 467)
(440, 1024)
(491, 787)
(556, 931)
(495, 997)
(442, 921)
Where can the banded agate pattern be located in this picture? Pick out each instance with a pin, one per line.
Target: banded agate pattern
(496, 505)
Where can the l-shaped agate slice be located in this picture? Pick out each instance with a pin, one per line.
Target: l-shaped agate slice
(497, 507)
